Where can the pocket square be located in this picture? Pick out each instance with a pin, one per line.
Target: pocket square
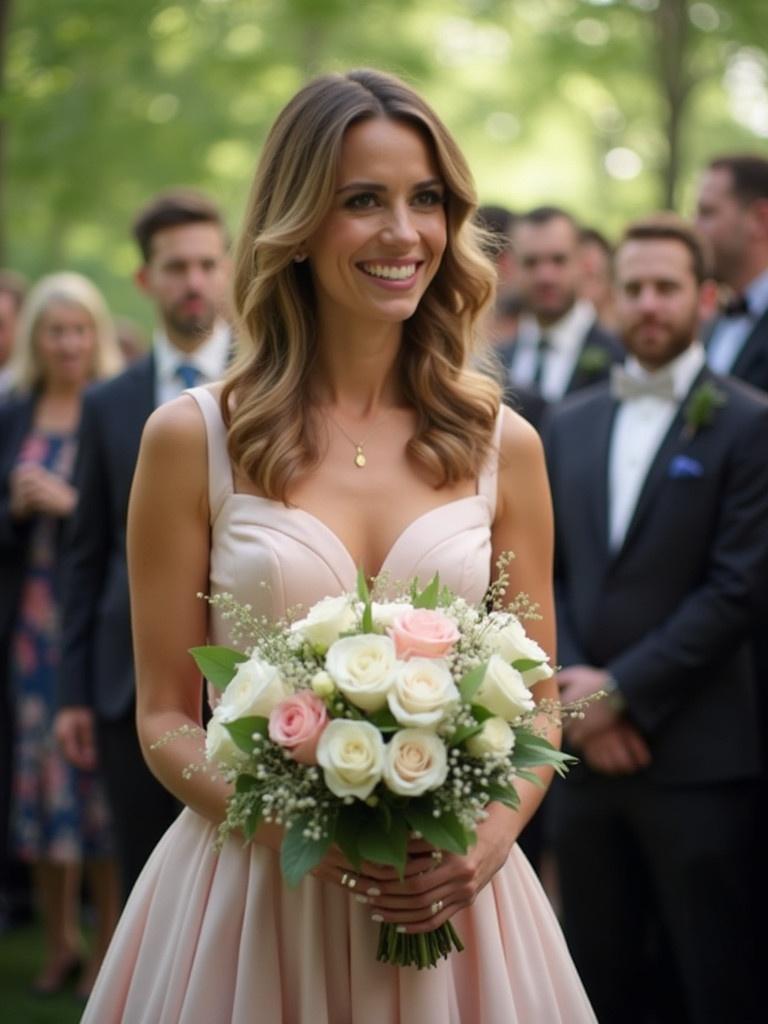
(682, 467)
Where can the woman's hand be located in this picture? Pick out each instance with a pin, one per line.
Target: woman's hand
(35, 491)
(436, 885)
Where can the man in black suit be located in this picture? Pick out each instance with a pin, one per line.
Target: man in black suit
(660, 488)
(185, 273)
(559, 346)
(732, 214)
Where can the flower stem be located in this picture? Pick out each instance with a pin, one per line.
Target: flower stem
(421, 950)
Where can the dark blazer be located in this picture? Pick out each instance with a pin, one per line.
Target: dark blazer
(669, 613)
(752, 362)
(97, 655)
(16, 416)
(600, 349)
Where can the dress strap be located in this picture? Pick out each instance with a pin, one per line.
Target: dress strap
(220, 484)
(488, 478)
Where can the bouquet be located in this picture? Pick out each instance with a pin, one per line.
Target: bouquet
(368, 723)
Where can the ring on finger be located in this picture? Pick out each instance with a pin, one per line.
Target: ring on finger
(437, 906)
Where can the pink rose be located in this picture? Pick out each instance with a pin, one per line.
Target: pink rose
(423, 634)
(297, 724)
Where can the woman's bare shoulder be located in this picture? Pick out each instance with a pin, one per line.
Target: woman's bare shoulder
(520, 443)
(175, 432)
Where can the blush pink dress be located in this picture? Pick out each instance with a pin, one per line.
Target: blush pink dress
(217, 938)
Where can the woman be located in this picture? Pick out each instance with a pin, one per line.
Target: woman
(355, 435)
(58, 819)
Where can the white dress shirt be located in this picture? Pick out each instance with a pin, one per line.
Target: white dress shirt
(6, 381)
(565, 338)
(638, 430)
(210, 359)
(731, 332)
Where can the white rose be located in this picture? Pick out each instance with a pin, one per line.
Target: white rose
(513, 644)
(255, 689)
(385, 613)
(326, 621)
(363, 667)
(423, 692)
(495, 738)
(503, 690)
(220, 748)
(352, 756)
(415, 761)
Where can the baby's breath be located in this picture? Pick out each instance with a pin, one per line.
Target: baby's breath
(270, 786)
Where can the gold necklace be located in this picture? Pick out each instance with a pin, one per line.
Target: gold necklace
(360, 459)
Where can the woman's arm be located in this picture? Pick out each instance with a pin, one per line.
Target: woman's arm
(524, 526)
(168, 556)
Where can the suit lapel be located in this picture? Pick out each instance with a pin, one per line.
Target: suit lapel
(673, 442)
(145, 388)
(597, 469)
(753, 352)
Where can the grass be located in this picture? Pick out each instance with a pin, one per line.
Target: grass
(20, 952)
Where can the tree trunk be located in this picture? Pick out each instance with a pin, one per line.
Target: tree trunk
(672, 30)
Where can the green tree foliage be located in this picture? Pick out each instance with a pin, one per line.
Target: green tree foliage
(105, 102)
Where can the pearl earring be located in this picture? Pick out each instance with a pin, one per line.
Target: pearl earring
(299, 257)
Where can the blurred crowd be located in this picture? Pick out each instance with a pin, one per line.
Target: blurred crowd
(642, 362)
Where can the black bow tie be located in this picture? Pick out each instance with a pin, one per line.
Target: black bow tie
(737, 306)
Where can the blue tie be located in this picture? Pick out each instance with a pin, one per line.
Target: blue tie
(188, 374)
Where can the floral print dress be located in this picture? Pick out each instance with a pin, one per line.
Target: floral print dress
(59, 812)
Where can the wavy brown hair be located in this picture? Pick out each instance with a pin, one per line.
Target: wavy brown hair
(271, 440)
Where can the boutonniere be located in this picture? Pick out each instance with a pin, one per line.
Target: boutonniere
(701, 408)
(593, 360)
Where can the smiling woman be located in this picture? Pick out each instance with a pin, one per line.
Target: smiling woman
(360, 179)
(382, 241)
(358, 290)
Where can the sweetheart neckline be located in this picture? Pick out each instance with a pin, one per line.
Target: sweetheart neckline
(295, 509)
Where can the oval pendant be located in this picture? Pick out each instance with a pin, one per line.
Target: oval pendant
(359, 458)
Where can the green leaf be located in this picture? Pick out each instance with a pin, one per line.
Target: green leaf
(470, 682)
(384, 720)
(465, 732)
(245, 783)
(349, 824)
(526, 664)
(367, 621)
(532, 751)
(252, 822)
(217, 664)
(242, 730)
(481, 714)
(429, 595)
(525, 738)
(503, 795)
(298, 855)
(384, 845)
(362, 586)
(365, 596)
(444, 833)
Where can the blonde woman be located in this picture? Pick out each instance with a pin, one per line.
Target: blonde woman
(352, 432)
(58, 818)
